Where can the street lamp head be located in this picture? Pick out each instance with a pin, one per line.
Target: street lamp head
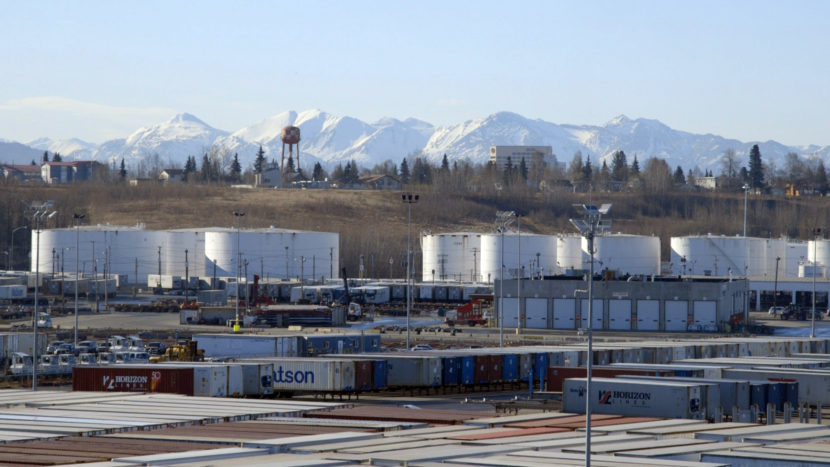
(78, 216)
(238, 213)
(410, 197)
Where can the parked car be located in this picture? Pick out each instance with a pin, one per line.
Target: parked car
(65, 349)
(155, 348)
(777, 310)
(422, 347)
(53, 346)
(87, 347)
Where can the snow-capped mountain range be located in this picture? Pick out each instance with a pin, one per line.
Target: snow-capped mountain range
(332, 139)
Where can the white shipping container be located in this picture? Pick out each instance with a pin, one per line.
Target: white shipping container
(257, 379)
(165, 281)
(635, 398)
(312, 374)
(210, 381)
(22, 342)
(247, 346)
(374, 294)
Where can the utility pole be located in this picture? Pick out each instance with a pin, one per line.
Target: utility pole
(186, 279)
(77, 218)
(475, 265)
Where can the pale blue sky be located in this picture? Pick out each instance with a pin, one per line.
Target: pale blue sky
(751, 70)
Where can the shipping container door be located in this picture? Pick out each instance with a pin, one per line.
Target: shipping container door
(536, 313)
(677, 315)
(705, 313)
(596, 313)
(510, 313)
(564, 313)
(648, 315)
(619, 314)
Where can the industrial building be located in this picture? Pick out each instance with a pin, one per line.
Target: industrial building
(500, 154)
(645, 304)
(135, 252)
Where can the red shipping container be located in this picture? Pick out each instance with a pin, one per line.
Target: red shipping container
(494, 373)
(126, 379)
(481, 375)
(363, 374)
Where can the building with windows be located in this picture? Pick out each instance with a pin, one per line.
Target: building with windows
(500, 154)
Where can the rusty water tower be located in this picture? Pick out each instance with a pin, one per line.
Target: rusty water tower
(290, 136)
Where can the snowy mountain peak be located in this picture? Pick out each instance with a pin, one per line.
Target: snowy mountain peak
(186, 118)
(620, 120)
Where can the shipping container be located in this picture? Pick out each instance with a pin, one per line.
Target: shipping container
(413, 371)
(557, 375)
(213, 297)
(257, 379)
(635, 398)
(379, 375)
(363, 372)
(733, 392)
(12, 292)
(312, 374)
(247, 345)
(164, 281)
(128, 378)
(451, 370)
(812, 384)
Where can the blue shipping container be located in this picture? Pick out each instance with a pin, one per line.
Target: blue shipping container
(540, 368)
(510, 367)
(792, 393)
(451, 370)
(758, 394)
(379, 374)
(777, 395)
(468, 369)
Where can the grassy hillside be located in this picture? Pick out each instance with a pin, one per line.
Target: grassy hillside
(374, 223)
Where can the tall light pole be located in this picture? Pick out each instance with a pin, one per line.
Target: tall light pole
(746, 193)
(503, 219)
(409, 199)
(238, 215)
(11, 248)
(519, 277)
(588, 227)
(816, 235)
(40, 211)
(77, 218)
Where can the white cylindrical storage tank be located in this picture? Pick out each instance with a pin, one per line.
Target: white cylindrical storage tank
(796, 254)
(569, 253)
(776, 248)
(174, 245)
(627, 254)
(538, 255)
(119, 245)
(756, 257)
(818, 251)
(133, 247)
(273, 253)
(451, 256)
(709, 255)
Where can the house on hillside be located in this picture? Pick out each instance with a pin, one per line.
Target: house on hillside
(172, 176)
(66, 172)
(23, 173)
(706, 183)
(380, 182)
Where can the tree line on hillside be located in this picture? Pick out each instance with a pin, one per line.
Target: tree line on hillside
(797, 176)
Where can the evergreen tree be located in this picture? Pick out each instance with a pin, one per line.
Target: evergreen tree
(337, 174)
(404, 172)
(259, 162)
(679, 178)
(821, 183)
(45, 156)
(33, 162)
(523, 169)
(454, 166)
(206, 172)
(445, 164)
(587, 170)
(604, 179)
(756, 168)
(635, 167)
(317, 173)
(619, 167)
(507, 174)
(123, 172)
(56, 157)
(421, 172)
(576, 171)
(236, 168)
(289, 166)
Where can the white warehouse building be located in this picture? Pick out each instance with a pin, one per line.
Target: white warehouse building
(276, 253)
